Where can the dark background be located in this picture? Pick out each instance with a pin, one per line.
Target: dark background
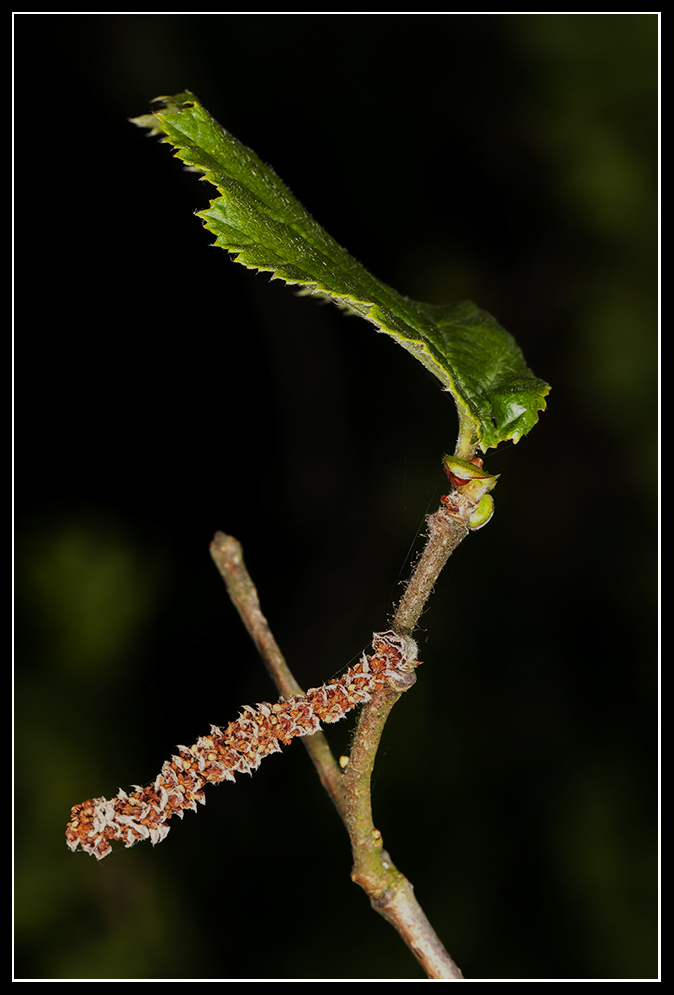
(163, 392)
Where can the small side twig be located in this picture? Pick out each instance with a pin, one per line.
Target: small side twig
(227, 555)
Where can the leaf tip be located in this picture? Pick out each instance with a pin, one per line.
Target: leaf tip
(171, 105)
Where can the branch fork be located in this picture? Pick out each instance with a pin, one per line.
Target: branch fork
(376, 682)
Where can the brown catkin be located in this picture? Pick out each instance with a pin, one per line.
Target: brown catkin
(239, 748)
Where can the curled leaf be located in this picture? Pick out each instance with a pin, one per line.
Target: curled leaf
(258, 220)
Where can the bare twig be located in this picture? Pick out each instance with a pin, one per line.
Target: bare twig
(389, 891)
(444, 535)
(227, 555)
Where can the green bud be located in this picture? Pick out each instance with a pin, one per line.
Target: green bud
(483, 512)
(464, 470)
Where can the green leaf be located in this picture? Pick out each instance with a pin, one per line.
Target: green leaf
(258, 220)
